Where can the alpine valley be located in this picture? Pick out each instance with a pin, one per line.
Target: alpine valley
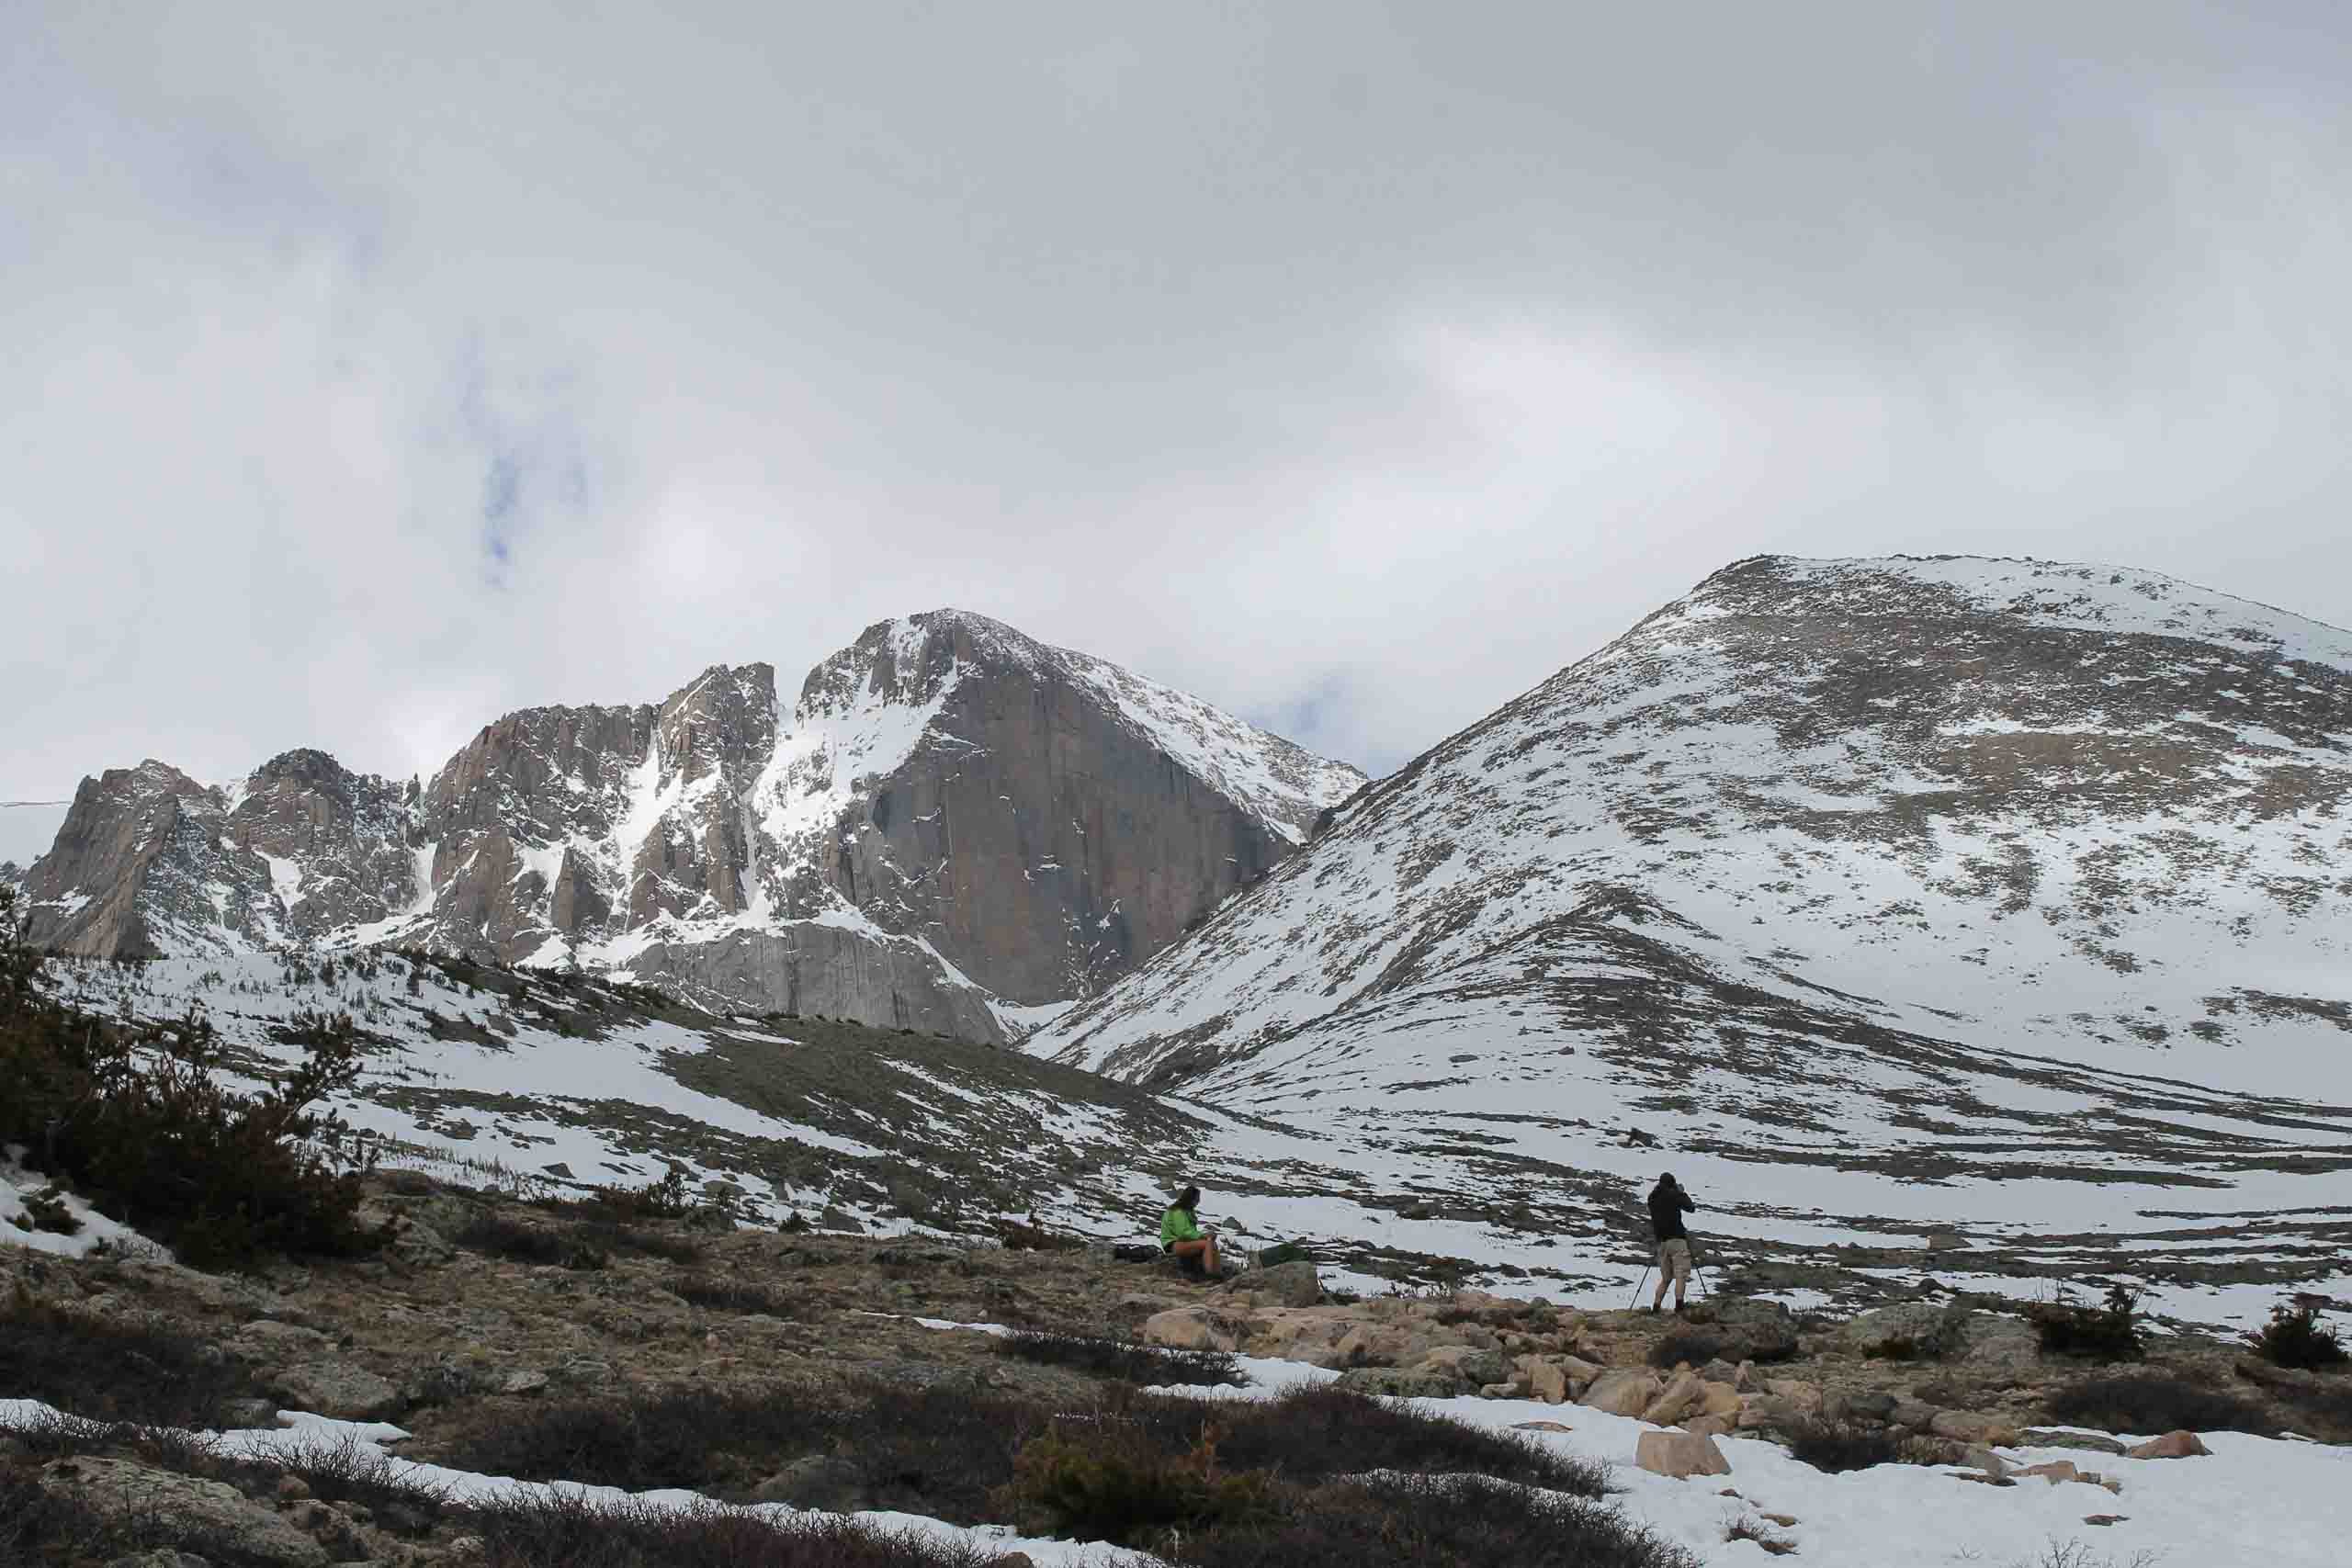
(1943, 924)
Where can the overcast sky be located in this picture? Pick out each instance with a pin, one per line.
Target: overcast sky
(1352, 366)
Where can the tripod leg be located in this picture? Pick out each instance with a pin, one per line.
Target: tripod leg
(1637, 1287)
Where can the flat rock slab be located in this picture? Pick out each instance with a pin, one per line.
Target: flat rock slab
(213, 1509)
(1679, 1455)
(339, 1389)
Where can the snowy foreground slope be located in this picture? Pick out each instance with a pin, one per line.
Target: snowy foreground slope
(952, 827)
(2195, 1511)
(1993, 914)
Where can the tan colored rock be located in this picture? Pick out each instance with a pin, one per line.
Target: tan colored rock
(1627, 1391)
(1708, 1425)
(1191, 1328)
(1381, 1345)
(1805, 1396)
(1786, 1521)
(1686, 1395)
(1468, 1362)
(1722, 1400)
(1971, 1426)
(1679, 1455)
(1545, 1379)
(2053, 1472)
(2172, 1445)
(1986, 1459)
(1580, 1372)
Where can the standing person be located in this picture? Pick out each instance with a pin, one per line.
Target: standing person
(1181, 1237)
(1668, 1203)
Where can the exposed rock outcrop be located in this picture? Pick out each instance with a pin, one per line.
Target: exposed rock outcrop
(951, 816)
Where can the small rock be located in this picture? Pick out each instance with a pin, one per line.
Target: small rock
(523, 1382)
(2172, 1445)
(1708, 1427)
(2086, 1441)
(824, 1482)
(1540, 1427)
(2054, 1472)
(1870, 1409)
(1916, 1414)
(292, 1489)
(239, 1415)
(1982, 1457)
(1499, 1390)
(584, 1372)
(1786, 1521)
(1679, 1455)
(2105, 1518)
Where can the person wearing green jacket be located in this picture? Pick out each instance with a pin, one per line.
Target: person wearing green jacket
(1182, 1237)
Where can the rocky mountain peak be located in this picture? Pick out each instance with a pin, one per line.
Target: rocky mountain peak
(2074, 810)
(952, 818)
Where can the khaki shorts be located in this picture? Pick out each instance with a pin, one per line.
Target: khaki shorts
(1674, 1260)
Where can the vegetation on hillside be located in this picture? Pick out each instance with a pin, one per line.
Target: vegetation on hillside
(134, 1116)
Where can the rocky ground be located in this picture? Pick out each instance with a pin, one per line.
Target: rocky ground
(486, 1311)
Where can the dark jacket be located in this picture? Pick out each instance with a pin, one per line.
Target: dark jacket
(1667, 1205)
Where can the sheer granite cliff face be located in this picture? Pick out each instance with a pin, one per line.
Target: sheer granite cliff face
(951, 818)
(147, 859)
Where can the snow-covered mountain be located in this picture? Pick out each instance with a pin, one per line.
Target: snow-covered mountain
(1950, 892)
(953, 824)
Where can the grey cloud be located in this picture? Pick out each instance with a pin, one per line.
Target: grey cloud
(1352, 366)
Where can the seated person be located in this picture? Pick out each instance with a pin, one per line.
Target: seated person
(1181, 1236)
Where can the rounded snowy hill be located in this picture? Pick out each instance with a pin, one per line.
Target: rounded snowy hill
(1941, 870)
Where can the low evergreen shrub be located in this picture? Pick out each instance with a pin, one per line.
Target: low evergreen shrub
(2296, 1338)
(105, 1369)
(569, 1532)
(2154, 1402)
(2109, 1333)
(1836, 1446)
(1113, 1484)
(132, 1116)
(1125, 1361)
